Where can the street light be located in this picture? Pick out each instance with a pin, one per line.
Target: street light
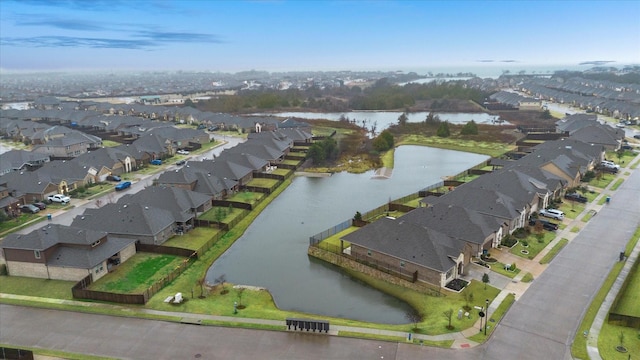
(487, 319)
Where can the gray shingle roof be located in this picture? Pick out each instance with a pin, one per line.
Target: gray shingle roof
(410, 242)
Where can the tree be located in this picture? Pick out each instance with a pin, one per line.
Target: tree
(447, 315)
(222, 280)
(189, 103)
(357, 216)
(485, 280)
(383, 142)
(402, 119)
(443, 130)
(432, 118)
(470, 128)
(414, 317)
(316, 153)
(240, 293)
(201, 282)
(468, 299)
(546, 114)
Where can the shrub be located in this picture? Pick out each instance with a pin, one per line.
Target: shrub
(525, 243)
(508, 241)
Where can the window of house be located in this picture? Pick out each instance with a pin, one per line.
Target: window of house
(402, 264)
(369, 252)
(36, 253)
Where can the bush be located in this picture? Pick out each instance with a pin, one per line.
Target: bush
(525, 243)
(508, 241)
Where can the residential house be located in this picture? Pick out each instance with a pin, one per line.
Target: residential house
(21, 160)
(403, 247)
(62, 252)
(185, 205)
(147, 224)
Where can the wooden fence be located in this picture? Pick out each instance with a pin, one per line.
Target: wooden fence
(166, 250)
(80, 291)
(615, 317)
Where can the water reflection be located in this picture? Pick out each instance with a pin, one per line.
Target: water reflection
(272, 252)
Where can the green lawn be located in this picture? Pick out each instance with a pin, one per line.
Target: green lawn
(535, 246)
(617, 184)
(629, 303)
(262, 183)
(494, 318)
(527, 278)
(246, 197)
(388, 158)
(610, 338)
(579, 346)
(17, 285)
(478, 147)
(193, 239)
(500, 269)
(110, 143)
(554, 251)
(603, 181)
(9, 225)
(223, 214)
(589, 215)
(138, 273)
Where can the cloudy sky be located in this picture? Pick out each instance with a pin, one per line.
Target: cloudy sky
(282, 35)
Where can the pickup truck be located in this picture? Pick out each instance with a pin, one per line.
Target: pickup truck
(59, 198)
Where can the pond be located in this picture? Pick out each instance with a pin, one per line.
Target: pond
(273, 251)
(383, 119)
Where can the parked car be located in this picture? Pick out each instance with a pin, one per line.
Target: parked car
(552, 213)
(608, 169)
(636, 136)
(181, 162)
(183, 152)
(607, 163)
(576, 197)
(547, 225)
(213, 128)
(114, 178)
(123, 185)
(626, 147)
(40, 205)
(156, 162)
(29, 208)
(201, 127)
(59, 198)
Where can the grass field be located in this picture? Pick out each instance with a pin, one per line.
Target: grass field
(554, 251)
(192, 240)
(17, 285)
(629, 303)
(223, 214)
(534, 245)
(478, 147)
(137, 274)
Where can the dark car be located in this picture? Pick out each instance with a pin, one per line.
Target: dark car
(576, 197)
(40, 205)
(547, 225)
(213, 128)
(626, 147)
(123, 185)
(114, 178)
(28, 208)
(181, 162)
(636, 136)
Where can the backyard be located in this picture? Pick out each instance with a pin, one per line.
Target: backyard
(137, 274)
(528, 247)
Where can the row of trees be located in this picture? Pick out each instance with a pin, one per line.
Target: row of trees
(321, 151)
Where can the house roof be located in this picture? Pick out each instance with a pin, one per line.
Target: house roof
(75, 247)
(18, 159)
(408, 241)
(126, 219)
(455, 221)
(180, 202)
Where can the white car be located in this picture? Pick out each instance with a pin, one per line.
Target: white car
(183, 152)
(59, 198)
(552, 213)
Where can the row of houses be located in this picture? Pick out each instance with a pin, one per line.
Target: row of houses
(437, 242)
(102, 237)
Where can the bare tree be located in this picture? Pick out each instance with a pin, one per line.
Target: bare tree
(221, 280)
(414, 317)
(447, 315)
(240, 293)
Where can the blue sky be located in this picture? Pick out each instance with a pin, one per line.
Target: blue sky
(230, 36)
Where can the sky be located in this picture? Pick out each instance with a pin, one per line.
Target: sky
(232, 36)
